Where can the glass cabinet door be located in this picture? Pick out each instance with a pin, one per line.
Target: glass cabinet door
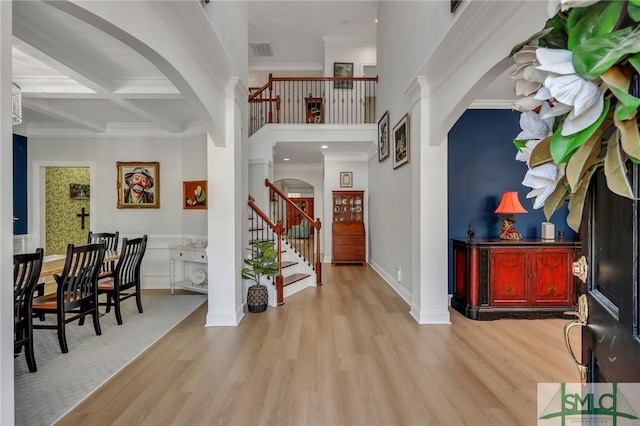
(348, 207)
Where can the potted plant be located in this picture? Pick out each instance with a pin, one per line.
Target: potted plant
(262, 263)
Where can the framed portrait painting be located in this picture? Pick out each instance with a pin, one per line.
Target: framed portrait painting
(383, 137)
(194, 195)
(401, 142)
(138, 185)
(343, 69)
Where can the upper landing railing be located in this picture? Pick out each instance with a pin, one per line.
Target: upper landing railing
(313, 100)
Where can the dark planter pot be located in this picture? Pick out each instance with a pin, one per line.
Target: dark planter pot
(257, 298)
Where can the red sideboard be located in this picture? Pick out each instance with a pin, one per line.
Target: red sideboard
(514, 279)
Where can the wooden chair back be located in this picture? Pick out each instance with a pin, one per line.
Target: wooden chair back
(77, 283)
(127, 272)
(125, 282)
(110, 241)
(26, 274)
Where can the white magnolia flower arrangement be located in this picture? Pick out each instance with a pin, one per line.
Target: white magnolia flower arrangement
(579, 82)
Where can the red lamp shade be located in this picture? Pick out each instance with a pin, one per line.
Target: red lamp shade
(510, 203)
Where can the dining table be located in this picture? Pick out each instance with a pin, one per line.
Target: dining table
(54, 263)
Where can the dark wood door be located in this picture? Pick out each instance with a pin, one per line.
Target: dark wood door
(610, 341)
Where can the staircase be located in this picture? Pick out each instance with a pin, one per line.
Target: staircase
(299, 265)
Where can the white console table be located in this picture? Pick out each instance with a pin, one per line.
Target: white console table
(191, 259)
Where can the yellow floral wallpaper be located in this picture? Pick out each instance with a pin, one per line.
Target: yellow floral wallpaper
(63, 226)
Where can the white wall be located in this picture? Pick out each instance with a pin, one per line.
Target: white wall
(229, 20)
(339, 49)
(6, 223)
(167, 226)
(333, 165)
(313, 175)
(433, 74)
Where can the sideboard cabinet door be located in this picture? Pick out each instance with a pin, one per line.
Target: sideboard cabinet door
(514, 279)
(508, 282)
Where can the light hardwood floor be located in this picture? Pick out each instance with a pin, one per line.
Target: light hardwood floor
(347, 353)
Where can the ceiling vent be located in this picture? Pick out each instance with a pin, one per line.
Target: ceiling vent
(261, 48)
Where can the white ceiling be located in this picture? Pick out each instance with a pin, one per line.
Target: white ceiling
(76, 78)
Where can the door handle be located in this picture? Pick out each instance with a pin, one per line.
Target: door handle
(582, 315)
(580, 269)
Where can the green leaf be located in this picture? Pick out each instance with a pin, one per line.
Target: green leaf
(557, 37)
(562, 147)
(534, 37)
(633, 9)
(576, 203)
(598, 54)
(556, 199)
(634, 60)
(585, 23)
(615, 170)
(618, 79)
(519, 144)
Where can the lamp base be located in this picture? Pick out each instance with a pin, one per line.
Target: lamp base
(509, 232)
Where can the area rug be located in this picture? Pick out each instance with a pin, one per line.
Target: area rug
(64, 380)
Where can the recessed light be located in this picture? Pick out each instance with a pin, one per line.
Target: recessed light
(324, 147)
(285, 159)
(375, 20)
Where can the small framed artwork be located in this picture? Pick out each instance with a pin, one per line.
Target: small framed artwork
(138, 185)
(343, 69)
(346, 179)
(79, 191)
(194, 195)
(383, 137)
(401, 142)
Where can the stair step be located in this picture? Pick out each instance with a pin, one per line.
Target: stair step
(294, 278)
(287, 263)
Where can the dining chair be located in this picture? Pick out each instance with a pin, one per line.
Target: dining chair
(111, 241)
(26, 273)
(125, 282)
(76, 295)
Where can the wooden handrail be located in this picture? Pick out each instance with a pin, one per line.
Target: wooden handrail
(317, 225)
(372, 79)
(275, 189)
(333, 100)
(262, 215)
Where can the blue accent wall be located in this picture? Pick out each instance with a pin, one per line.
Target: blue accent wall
(481, 166)
(20, 184)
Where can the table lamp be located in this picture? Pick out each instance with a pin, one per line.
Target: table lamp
(509, 205)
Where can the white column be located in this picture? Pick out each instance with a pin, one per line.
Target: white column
(429, 219)
(227, 217)
(6, 221)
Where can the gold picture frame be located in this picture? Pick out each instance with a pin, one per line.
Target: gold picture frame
(138, 184)
(194, 195)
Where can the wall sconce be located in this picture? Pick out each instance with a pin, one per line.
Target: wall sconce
(508, 207)
(16, 104)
